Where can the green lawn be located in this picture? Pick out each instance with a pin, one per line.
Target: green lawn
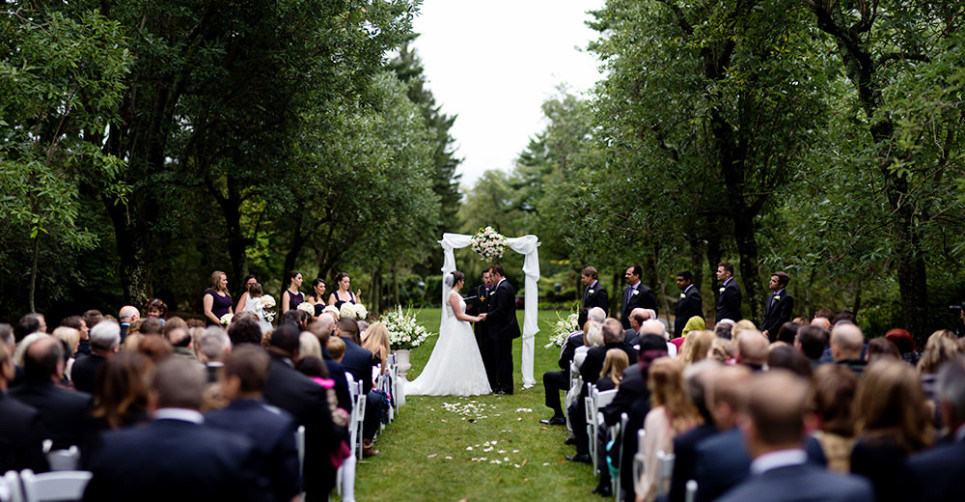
(426, 455)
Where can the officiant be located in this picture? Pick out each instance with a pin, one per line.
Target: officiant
(478, 303)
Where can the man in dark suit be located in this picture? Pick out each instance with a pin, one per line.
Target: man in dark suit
(175, 457)
(690, 303)
(105, 341)
(720, 460)
(503, 329)
(779, 305)
(729, 301)
(21, 440)
(483, 292)
(307, 403)
(271, 431)
(939, 474)
(556, 381)
(635, 295)
(780, 471)
(594, 293)
(63, 412)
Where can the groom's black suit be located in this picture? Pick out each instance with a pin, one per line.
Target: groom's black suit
(503, 328)
(481, 329)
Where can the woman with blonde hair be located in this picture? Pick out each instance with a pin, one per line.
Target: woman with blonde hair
(376, 341)
(942, 346)
(831, 399)
(696, 346)
(70, 337)
(893, 421)
(672, 413)
(722, 350)
(611, 375)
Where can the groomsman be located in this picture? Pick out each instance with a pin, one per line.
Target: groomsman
(594, 294)
(729, 301)
(635, 295)
(777, 311)
(690, 303)
(484, 293)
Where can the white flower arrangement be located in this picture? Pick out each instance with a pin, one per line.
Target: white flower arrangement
(355, 311)
(226, 319)
(307, 308)
(564, 327)
(488, 243)
(332, 309)
(404, 332)
(268, 305)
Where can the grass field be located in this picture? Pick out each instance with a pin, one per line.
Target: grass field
(426, 451)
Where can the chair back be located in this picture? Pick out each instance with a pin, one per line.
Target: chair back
(64, 460)
(300, 445)
(10, 487)
(54, 486)
(665, 472)
(605, 398)
(691, 495)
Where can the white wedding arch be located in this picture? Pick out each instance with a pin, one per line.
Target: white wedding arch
(526, 245)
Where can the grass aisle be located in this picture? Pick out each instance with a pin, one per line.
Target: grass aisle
(426, 451)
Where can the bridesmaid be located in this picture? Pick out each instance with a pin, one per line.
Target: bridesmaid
(217, 300)
(292, 297)
(344, 292)
(317, 296)
(249, 280)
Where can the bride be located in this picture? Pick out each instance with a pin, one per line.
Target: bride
(455, 367)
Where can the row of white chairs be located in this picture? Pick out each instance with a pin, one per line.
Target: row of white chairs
(665, 463)
(47, 487)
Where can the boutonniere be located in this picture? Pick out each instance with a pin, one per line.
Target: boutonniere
(590, 291)
(776, 298)
(683, 295)
(635, 292)
(722, 289)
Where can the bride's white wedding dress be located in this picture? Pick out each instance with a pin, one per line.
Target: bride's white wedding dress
(455, 367)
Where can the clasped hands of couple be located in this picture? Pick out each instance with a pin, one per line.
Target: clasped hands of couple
(480, 317)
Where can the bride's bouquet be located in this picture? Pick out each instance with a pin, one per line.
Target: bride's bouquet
(488, 243)
(355, 311)
(404, 332)
(563, 328)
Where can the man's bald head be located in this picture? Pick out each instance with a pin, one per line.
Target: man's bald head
(846, 342)
(596, 314)
(752, 347)
(776, 404)
(821, 322)
(652, 327)
(613, 331)
(637, 316)
(725, 393)
(129, 314)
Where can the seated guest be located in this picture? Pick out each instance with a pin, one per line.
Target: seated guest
(893, 421)
(307, 402)
(847, 342)
(939, 474)
(272, 431)
(63, 412)
(775, 431)
(671, 413)
(121, 391)
(105, 341)
(941, 346)
(244, 330)
(831, 399)
(215, 346)
(812, 340)
(322, 329)
(358, 362)
(906, 345)
(70, 338)
(613, 367)
(181, 340)
(30, 324)
(127, 316)
(696, 377)
(556, 381)
(20, 426)
(176, 456)
(696, 346)
(782, 355)
(879, 348)
(751, 349)
(721, 460)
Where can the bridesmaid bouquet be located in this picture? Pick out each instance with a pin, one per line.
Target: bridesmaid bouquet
(404, 332)
(307, 308)
(488, 243)
(226, 319)
(355, 311)
(268, 305)
(563, 328)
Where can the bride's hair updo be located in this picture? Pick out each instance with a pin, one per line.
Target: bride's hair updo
(453, 278)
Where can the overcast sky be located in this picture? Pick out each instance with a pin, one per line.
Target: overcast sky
(494, 63)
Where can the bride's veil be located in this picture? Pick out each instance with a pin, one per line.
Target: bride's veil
(447, 313)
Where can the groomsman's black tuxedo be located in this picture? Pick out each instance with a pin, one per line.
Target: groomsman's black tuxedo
(595, 295)
(503, 328)
(729, 302)
(689, 305)
(777, 311)
(640, 296)
(484, 295)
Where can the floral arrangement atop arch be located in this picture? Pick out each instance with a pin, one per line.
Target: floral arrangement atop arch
(489, 244)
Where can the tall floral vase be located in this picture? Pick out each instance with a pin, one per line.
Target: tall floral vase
(402, 360)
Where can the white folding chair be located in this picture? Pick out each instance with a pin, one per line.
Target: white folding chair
(10, 487)
(51, 486)
(300, 446)
(64, 460)
(691, 495)
(591, 425)
(359, 418)
(665, 472)
(639, 461)
(617, 434)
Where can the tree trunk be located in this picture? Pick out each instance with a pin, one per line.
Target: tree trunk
(747, 249)
(237, 243)
(298, 242)
(34, 267)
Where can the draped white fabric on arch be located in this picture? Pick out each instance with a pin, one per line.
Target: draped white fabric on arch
(526, 245)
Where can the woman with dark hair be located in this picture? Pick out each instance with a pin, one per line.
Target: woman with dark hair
(787, 333)
(317, 297)
(292, 297)
(121, 390)
(344, 292)
(243, 300)
(881, 347)
(217, 300)
(893, 421)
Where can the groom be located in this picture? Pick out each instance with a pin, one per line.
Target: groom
(503, 328)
